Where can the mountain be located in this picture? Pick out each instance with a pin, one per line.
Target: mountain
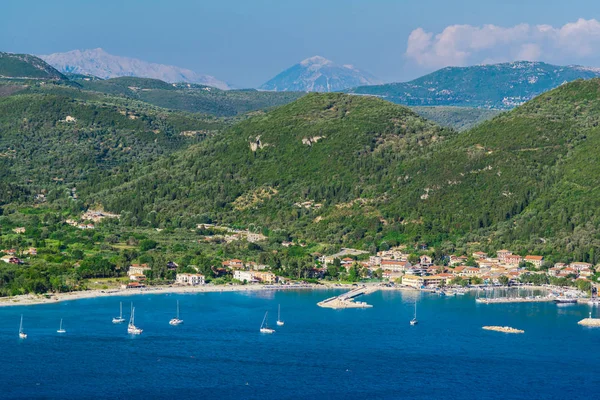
(350, 169)
(318, 74)
(501, 86)
(330, 149)
(25, 66)
(53, 137)
(98, 62)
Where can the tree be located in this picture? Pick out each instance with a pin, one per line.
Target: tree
(503, 280)
(148, 244)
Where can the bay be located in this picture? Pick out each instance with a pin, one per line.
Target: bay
(321, 353)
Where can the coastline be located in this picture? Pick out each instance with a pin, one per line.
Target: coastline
(51, 298)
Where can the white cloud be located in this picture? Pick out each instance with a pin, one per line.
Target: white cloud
(467, 44)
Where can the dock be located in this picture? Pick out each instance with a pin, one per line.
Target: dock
(346, 300)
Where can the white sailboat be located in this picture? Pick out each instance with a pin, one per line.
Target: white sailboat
(60, 329)
(264, 327)
(279, 321)
(176, 320)
(22, 335)
(414, 321)
(131, 328)
(119, 319)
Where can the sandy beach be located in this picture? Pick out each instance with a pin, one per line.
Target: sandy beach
(48, 298)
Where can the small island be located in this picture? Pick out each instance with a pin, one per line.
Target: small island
(505, 329)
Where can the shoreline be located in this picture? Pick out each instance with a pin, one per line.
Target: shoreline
(52, 298)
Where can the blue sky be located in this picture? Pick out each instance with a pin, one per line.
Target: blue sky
(246, 42)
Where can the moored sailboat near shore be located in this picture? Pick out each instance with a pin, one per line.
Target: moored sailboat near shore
(264, 327)
(60, 328)
(22, 335)
(279, 321)
(414, 321)
(131, 328)
(176, 320)
(119, 319)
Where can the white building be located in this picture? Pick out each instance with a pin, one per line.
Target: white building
(190, 279)
(242, 276)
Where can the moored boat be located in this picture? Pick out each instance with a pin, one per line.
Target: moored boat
(264, 327)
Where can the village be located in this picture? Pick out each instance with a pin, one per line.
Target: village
(395, 267)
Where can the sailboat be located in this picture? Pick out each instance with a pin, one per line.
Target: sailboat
(279, 321)
(60, 329)
(264, 327)
(131, 328)
(22, 335)
(414, 321)
(119, 319)
(176, 320)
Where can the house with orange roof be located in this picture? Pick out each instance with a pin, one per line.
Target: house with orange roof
(537, 261)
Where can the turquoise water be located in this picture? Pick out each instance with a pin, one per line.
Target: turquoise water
(319, 353)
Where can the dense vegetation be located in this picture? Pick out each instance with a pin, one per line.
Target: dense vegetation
(50, 142)
(459, 118)
(499, 86)
(190, 97)
(382, 174)
(26, 66)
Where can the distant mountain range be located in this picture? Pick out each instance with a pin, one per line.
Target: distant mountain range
(501, 86)
(99, 63)
(318, 74)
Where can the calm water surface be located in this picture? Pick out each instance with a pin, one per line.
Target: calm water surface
(319, 353)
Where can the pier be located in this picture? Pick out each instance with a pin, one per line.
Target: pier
(346, 300)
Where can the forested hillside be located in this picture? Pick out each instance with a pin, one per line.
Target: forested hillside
(26, 66)
(191, 97)
(372, 172)
(51, 141)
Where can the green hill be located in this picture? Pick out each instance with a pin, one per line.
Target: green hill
(333, 149)
(498, 86)
(459, 118)
(53, 141)
(191, 97)
(380, 173)
(26, 66)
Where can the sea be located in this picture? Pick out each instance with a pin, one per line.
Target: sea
(218, 352)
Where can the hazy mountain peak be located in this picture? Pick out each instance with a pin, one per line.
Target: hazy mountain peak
(318, 74)
(316, 61)
(99, 63)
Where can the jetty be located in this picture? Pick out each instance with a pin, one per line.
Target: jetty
(503, 329)
(346, 300)
(593, 322)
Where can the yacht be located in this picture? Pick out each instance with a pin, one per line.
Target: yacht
(176, 320)
(414, 321)
(22, 335)
(565, 300)
(264, 327)
(60, 328)
(119, 319)
(131, 328)
(279, 321)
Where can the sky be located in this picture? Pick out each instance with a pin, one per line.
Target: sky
(246, 42)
